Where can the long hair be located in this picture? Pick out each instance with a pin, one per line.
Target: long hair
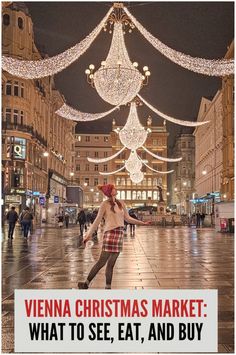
(112, 203)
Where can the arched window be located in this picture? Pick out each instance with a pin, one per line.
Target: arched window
(6, 19)
(20, 23)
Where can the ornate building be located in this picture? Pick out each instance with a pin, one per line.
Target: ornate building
(183, 177)
(37, 144)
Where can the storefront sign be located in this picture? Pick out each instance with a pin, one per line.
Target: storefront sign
(56, 199)
(18, 191)
(16, 148)
(13, 199)
(36, 193)
(42, 200)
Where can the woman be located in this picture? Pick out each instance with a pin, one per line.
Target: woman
(114, 213)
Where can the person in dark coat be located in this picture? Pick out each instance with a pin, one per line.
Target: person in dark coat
(12, 218)
(202, 218)
(67, 218)
(82, 221)
(198, 217)
(132, 226)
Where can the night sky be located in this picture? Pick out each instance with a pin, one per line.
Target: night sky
(201, 29)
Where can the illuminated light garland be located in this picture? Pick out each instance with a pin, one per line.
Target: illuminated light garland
(172, 160)
(104, 160)
(133, 135)
(137, 177)
(112, 172)
(33, 69)
(211, 67)
(157, 171)
(117, 81)
(75, 115)
(172, 119)
(133, 164)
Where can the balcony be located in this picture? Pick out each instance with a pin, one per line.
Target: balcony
(23, 128)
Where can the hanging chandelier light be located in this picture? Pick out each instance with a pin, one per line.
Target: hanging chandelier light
(117, 80)
(137, 177)
(133, 135)
(133, 164)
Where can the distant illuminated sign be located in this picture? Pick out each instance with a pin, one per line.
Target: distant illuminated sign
(56, 199)
(42, 200)
(36, 193)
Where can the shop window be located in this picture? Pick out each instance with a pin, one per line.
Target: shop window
(6, 20)
(8, 88)
(20, 23)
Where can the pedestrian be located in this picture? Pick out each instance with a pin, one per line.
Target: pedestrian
(114, 213)
(60, 220)
(26, 220)
(198, 217)
(202, 218)
(92, 219)
(12, 218)
(132, 226)
(173, 222)
(67, 218)
(82, 221)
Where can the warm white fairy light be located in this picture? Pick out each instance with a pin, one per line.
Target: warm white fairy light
(172, 119)
(171, 160)
(104, 160)
(112, 172)
(75, 115)
(133, 135)
(117, 81)
(137, 177)
(157, 171)
(133, 164)
(211, 67)
(33, 69)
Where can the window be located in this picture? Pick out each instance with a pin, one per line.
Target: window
(22, 90)
(86, 154)
(79, 138)
(16, 88)
(104, 167)
(87, 139)
(106, 139)
(118, 181)
(160, 153)
(154, 142)
(8, 88)
(189, 144)
(96, 167)
(86, 167)
(183, 144)
(20, 23)
(96, 154)
(22, 117)
(144, 195)
(15, 117)
(6, 19)
(8, 115)
(134, 195)
(155, 197)
(95, 181)
(78, 167)
(18, 177)
(96, 138)
(105, 181)
(128, 195)
(105, 155)
(149, 194)
(86, 181)
(160, 181)
(122, 195)
(149, 180)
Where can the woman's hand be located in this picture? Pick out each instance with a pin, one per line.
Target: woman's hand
(147, 223)
(86, 238)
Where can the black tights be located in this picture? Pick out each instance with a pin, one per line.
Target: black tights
(105, 257)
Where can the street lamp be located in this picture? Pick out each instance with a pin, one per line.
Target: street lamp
(175, 189)
(204, 172)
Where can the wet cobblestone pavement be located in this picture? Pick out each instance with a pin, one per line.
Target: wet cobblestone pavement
(156, 258)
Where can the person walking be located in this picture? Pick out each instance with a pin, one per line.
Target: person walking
(202, 218)
(82, 221)
(60, 220)
(114, 213)
(132, 226)
(198, 217)
(67, 218)
(26, 221)
(12, 218)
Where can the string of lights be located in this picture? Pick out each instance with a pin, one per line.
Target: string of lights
(158, 171)
(75, 115)
(104, 160)
(210, 67)
(171, 160)
(33, 69)
(112, 172)
(172, 119)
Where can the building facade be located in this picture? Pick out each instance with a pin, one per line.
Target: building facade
(37, 144)
(208, 155)
(182, 185)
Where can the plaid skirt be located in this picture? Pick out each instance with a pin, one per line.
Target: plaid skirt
(113, 240)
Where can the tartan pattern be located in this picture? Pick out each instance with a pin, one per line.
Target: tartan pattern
(113, 240)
